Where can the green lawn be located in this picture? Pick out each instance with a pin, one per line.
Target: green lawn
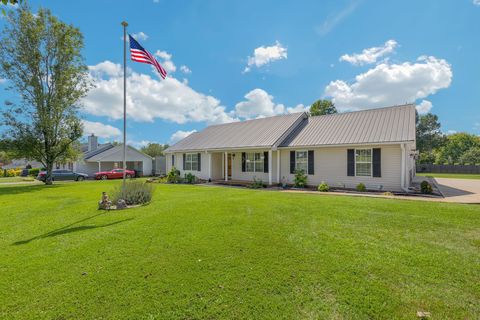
(450, 175)
(16, 179)
(221, 253)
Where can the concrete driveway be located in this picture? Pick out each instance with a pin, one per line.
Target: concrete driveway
(459, 190)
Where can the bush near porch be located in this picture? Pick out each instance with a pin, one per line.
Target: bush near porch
(223, 253)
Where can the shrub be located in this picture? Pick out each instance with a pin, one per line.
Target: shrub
(323, 187)
(361, 187)
(33, 172)
(257, 184)
(136, 192)
(173, 175)
(190, 178)
(300, 179)
(426, 187)
(12, 172)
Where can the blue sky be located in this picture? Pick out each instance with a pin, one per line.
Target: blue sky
(234, 60)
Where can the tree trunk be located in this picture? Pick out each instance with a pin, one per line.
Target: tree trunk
(48, 178)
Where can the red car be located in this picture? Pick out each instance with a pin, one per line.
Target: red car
(114, 174)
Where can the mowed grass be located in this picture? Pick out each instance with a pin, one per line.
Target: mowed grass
(450, 175)
(200, 252)
(16, 179)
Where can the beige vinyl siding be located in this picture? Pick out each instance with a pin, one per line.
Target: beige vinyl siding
(202, 174)
(331, 166)
(237, 173)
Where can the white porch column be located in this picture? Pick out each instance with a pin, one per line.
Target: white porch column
(209, 155)
(99, 166)
(226, 166)
(278, 165)
(270, 166)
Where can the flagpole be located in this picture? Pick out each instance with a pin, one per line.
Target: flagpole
(124, 24)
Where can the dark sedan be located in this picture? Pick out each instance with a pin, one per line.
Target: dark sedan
(59, 175)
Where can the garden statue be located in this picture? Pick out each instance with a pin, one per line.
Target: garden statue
(121, 204)
(105, 203)
(284, 182)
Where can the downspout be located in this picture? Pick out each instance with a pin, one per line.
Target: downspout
(402, 178)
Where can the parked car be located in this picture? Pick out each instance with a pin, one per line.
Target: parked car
(60, 174)
(114, 174)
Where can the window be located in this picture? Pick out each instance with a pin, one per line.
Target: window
(254, 162)
(301, 161)
(191, 161)
(363, 162)
(173, 160)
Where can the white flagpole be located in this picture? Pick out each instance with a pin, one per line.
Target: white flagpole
(124, 24)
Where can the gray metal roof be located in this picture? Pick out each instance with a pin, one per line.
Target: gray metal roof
(263, 132)
(382, 125)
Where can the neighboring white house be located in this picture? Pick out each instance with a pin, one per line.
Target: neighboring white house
(108, 156)
(375, 147)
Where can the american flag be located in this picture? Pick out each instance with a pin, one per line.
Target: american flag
(139, 54)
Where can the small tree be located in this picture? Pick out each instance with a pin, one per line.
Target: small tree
(322, 107)
(471, 156)
(429, 136)
(154, 149)
(41, 58)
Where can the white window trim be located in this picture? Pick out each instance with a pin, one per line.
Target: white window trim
(371, 162)
(306, 171)
(255, 162)
(191, 161)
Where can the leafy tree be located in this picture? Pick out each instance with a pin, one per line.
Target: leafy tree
(6, 3)
(41, 57)
(456, 146)
(154, 149)
(322, 107)
(471, 156)
(429, 136)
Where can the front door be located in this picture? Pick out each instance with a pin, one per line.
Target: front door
(229, 166)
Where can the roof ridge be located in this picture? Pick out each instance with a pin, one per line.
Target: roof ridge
(257, 119)
(366, 110)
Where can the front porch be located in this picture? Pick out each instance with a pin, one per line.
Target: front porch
(241, 167)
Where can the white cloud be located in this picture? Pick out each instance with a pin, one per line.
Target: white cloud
(100, 129)
(424, 107)
(370, 55)
(333, 20)
(264, 55)
(451, 131)
(259, 104)
(476, 2)
(2, 81)
(137, 36)
(166, 62)
(390, 84)
(185, 69)
(179, 135)
(106, 68)
(149, 99)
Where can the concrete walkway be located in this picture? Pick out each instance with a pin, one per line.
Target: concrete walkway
(459, 190)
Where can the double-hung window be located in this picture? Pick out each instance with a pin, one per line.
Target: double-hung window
(191, 161)
(254, 162)
(301, 161)
(363, 162)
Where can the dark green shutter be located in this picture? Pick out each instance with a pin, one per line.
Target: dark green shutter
(199, 162)
(377, 162)
(351, 162)
(244, 161)
(173, 160)
(292, 162)
(265, 161)
(311, 161)
(184, 161)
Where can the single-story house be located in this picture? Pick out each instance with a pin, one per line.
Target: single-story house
(104, 157)
(375, 147)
